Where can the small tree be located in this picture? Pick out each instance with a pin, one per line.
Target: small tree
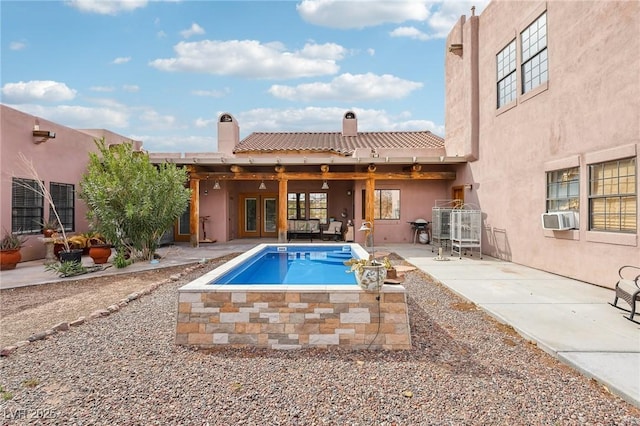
(131, 201)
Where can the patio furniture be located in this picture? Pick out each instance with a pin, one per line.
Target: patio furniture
(304, 228)
(628, 289)
(333, 232)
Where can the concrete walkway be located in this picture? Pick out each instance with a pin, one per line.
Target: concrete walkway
(568, 319)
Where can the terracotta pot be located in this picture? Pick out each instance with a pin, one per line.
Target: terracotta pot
(9, 259)
(392, 273)
(100, 254)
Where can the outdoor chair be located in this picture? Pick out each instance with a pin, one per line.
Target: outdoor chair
(334, 231)
(628, 289)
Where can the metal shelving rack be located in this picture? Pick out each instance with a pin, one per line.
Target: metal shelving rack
(441, 223)
(466, 230)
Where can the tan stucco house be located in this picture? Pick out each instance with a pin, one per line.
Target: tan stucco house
(542, 124)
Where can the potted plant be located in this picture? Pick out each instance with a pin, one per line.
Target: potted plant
(49, 227)
(370, 274)
(99, 249)
(391, 270)
(10, 245)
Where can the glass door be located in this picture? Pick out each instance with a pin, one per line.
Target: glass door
(258, 216)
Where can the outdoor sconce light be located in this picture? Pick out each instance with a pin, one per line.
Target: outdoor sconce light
(262, 185)
(216, 184)
(468, 186)
(45, 135)
(325, 185)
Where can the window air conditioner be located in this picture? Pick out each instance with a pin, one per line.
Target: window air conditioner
(558, 221)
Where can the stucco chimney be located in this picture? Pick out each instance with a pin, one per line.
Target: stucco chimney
(228, 133)
(349, 124)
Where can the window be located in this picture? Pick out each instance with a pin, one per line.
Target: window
(386, 204)
(26, 206)
(534, 54)
(296, 205)
(62, 195)
(563, 190)
(318, 206)
(613, 196)
(506, 72)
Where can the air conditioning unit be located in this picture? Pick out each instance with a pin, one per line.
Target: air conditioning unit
(558, 221)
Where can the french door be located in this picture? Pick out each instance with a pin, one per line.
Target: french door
(258, 216)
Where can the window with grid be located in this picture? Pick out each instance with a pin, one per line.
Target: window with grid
(296, 205)
(563, 190)
(613, 196)
(386, 204)
(506, 73)
(318, 206)
(26, 206)
(534, 54)
(62, 195)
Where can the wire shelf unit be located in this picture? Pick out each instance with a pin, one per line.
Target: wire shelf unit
(466, 230)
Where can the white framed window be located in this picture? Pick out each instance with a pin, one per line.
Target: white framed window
(613, 196)
(506, 74)
(563, 190)
(535, 65)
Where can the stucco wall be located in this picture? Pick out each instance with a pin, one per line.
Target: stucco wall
(62, 159)
(590, 104)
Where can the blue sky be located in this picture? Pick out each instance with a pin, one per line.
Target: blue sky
(162, 71)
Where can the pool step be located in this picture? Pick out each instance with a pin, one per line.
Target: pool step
(339, 254)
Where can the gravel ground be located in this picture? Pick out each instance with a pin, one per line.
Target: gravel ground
(464, 368)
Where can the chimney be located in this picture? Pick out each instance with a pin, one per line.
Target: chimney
(350, 124)
(228, 133)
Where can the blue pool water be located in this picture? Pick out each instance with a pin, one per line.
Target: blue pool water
(293, 265)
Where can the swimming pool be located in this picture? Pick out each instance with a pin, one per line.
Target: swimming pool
(305, 265)
(298, 305)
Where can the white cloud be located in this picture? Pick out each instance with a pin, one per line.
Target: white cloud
(438, 17)
(205, 122)
(131, 88)
(106, 7)
(101, 89)
(122, 60)
(371, 51)
(329, 119)
(360, 14)
(250, 58)
(212, 93)
(156, 121)
(411, 32)
(194, 30)
(17, 45)
(80, 117)
(37, 90)
(177, 143)
(161, 34)
(349, 87)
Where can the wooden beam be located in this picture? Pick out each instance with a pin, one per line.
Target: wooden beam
(328, 176)
(194, 219)
(282, 211)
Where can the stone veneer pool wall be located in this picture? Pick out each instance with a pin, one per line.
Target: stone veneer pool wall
(294, 318)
